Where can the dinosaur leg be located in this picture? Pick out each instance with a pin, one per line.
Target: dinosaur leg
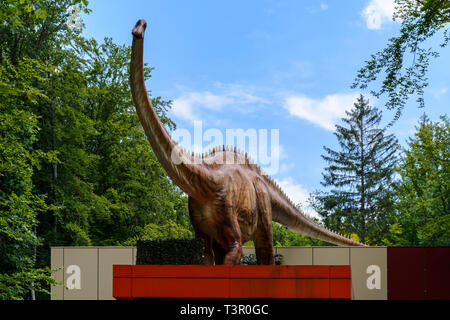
(263, 235)
(194, 209)
(234, 252)
(230, 239)
(209, 254)
(219, 253)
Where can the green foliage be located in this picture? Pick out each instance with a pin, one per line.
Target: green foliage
(170, 230)
(108, 184)
(406, 58)
(19, 206)
(423, 209)
(75, 165)
(170, 251)
(19, 203)
(251, 260)
(282, 236)
(19, 284)
(360, 175)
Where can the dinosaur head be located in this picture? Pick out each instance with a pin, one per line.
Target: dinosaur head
(139, 29)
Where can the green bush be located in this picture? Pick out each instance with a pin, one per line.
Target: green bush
(181, 252)
(250, 259)
(169, 251)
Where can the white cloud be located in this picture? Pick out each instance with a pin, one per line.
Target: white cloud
(189, 105)
(439, 93)
(241, 94)
(183, 106)
(378, 12)
(286, 167)
(322, 112)
(298, 194)
(317, 8)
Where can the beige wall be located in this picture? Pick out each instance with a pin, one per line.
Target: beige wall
(369, 273)
(90, 276)
(301, 256)
(57, 261)
(106, 258)
(87, 271)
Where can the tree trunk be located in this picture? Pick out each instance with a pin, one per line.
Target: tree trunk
(55, 216)
(362, 208)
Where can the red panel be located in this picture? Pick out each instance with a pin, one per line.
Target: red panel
(313, 289)
(340, 288)
(263, 288)
(122, 270)
(437, 273)
(231, 281)
(278, 272)
(320, 272)
(181, 271)
(280, 288)
(122, 288)
(405, 273)
(180, 288)
(340, 272)
(258, 272)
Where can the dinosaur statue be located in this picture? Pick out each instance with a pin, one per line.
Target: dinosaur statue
(229, 204)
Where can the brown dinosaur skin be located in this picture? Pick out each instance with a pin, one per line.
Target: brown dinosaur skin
(229, 204)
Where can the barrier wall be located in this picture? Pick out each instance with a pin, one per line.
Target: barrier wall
(378, 273)
(231, 282)
(419, 273)
(87, 271)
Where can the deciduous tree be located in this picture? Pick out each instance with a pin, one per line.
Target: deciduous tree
(423, 209)
(401, 68)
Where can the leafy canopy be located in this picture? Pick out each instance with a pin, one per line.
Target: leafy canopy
(402, 66)
(423, 208)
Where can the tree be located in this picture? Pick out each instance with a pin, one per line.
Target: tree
(405, 60)
(360, 175)
(19, 203)
(75, 165)
(107, 184)
(423, 209)
(127, 179)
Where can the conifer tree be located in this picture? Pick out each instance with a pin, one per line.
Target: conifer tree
(359, 176)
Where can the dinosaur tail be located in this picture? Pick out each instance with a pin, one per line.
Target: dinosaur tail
(284, 212)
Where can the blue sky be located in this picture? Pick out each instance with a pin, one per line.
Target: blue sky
(266, 64)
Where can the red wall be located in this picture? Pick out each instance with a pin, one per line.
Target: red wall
(140, 281)
(418, 273)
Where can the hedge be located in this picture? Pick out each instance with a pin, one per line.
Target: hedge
(170, 251)
(249, 259)
(180, 252)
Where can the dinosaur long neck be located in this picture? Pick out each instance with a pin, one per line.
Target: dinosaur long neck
(182, 171)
